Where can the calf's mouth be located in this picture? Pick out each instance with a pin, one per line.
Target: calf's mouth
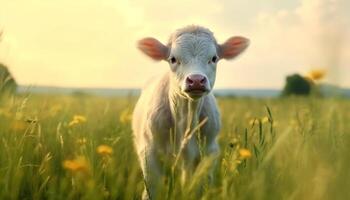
(196, 93)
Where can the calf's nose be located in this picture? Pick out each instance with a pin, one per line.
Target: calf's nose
(196, 82)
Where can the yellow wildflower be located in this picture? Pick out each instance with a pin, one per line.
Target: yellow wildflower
(244, 153)
(252, 122)
(265, 120)
(81, 141)
(79, 164)
(73, 122)
(316, 75)
(104, 150)
(77, 119)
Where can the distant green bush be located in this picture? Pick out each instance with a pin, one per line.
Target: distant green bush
(8, 84)
(297, 85)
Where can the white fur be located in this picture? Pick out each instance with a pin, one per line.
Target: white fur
(163, 108)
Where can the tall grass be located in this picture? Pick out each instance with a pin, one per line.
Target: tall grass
(49, 150)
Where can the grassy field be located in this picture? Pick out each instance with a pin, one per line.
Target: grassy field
(80, 147)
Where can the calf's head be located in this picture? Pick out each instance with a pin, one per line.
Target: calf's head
(193, 53)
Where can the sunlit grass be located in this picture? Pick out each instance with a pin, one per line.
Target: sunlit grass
(80, 147)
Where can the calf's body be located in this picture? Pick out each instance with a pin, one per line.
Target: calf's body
(178, 101)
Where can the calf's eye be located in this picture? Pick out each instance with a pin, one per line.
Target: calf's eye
(214, 59)
(173, 60)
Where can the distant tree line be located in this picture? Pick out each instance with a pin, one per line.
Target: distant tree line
(8, 84)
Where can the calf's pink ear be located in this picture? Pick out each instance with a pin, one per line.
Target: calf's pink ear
(153, 48)
(233, 47)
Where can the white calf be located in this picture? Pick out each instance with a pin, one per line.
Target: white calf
(180, 100)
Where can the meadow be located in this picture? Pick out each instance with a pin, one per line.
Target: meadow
(80, 147)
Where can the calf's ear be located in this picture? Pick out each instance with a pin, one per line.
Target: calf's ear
(233, 47)
(153, 48)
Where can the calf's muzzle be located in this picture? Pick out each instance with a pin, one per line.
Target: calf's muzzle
(196, 83)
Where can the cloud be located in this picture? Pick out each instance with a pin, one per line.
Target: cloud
(313, 35)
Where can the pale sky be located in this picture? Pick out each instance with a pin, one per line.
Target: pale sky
(92, 43)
